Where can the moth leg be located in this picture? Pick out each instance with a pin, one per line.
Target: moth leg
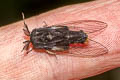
(45, 24)
(51, 53)
(26, 47)
(28, 51)
(25, 29)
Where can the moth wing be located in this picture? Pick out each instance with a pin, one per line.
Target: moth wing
(92, 49)
(91, 27)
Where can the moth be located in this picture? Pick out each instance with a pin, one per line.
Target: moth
(68, 38)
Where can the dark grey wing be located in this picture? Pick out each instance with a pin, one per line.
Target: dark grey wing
(91, 27)
(92, 49)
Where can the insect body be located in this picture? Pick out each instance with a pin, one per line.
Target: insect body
(56, 38)
(59, 37)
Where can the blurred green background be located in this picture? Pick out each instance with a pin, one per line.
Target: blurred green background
(10, 11)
